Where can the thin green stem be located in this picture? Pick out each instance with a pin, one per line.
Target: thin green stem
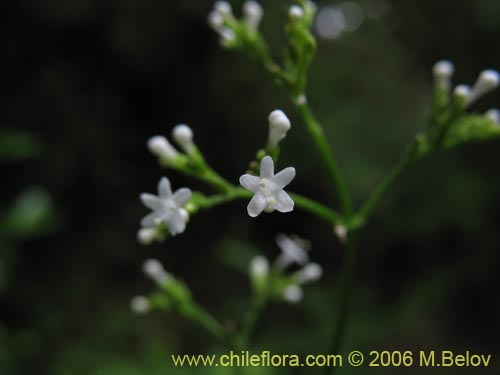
(250, 320)
(316, 131)
(211, 325)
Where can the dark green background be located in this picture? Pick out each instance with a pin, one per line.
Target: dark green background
(87, 82)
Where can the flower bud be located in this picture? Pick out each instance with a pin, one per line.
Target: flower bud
(226, 37)
(162, 148)
(462, 94)
(224, 8)
(341, 232)
(493, 115)
(279, 125)
(487, 81)
(183, 135)
(155, 271)
(293, 294)
(259, 266)
(252, 12)
(443, 71)
(310, 272)
(295, 12)
(146, 236)
(215, 20)
(140, 305)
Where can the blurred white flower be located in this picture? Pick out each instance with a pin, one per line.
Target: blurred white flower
(487, 81)
(146, 236)
(268, 189)
(253, 12)
(493, 115)
(293, 250)
(443, 71)
(279, 125)
(462, 93)
(259, 266)
(140, 305)
(293, 294)
(309, 273)
(167, 208)
(153, 269)
(161, 147)
(295, 12)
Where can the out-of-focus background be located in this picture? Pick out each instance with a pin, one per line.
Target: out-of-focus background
(84, 84)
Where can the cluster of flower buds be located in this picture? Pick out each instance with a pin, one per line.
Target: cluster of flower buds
(223, 21)
(274, 282)
(166, 153)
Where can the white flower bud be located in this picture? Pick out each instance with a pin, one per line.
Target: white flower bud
(162, 148)
(293, 294)
(443, 71)
(224, 8)
(259, 266)
(487, 81)
(310, 272)
(153, 269)
(146, 236)
(295, 12)
(279, 125)
(462, 93)
(215, 20)
(227, 36)
(140, 305)
(341, 232)
(493, 115)
(183, 135)
(253, 13)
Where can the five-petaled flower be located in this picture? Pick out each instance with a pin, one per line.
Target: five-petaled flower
(268, 189)
(167, 208)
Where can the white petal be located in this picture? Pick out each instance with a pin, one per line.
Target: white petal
(283, 202)
(176, 223)
(284, 177)
(151, 201)
(267, 167)
(181, 196)
(256, 205)
(150, 220)
(164, 188)
(250, 182)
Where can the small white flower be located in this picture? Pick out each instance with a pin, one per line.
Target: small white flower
(268, 189)
(487, 81)
(226, 36)
(153, 269)
(146, 236)
(224, 8)
(162, 148)
(183, 135)
(279, 125)
(253, 13)
(462, 93)
(493, 115)
(295, 12)
(443, 71)
(140, 305)
(167, 208)
(259, 266)
(309, 273)
(215, 20)
(293, 250)
(293, 294)
(301, 99)
(341, 232)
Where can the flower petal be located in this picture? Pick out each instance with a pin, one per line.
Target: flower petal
(283, 202)
(181, 196)
(284, 177)
(267, 167)
(176, 223)
(151, 220)
(256, 205)
(151, 201)
(164, 188)
(250, 182)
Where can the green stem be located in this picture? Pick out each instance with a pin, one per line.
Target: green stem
(250, 320)
(316, 131)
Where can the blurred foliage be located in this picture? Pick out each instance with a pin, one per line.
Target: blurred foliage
(85, 83)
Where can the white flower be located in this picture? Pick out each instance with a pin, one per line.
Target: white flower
(293, 294)
(268, 189)
(487, 81)
(295, 12)
(224, 8)
(160, 147)
(146, 236)
(167, 208)
(253, 13)
(293, 250)
(462, 93)
(279, 125)
(140, 305)
(493, 115)
(310, 272)
(153, 269)
(259, 266)
(443, 71)
(215, 20)
(227, 36)
(183, 135)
